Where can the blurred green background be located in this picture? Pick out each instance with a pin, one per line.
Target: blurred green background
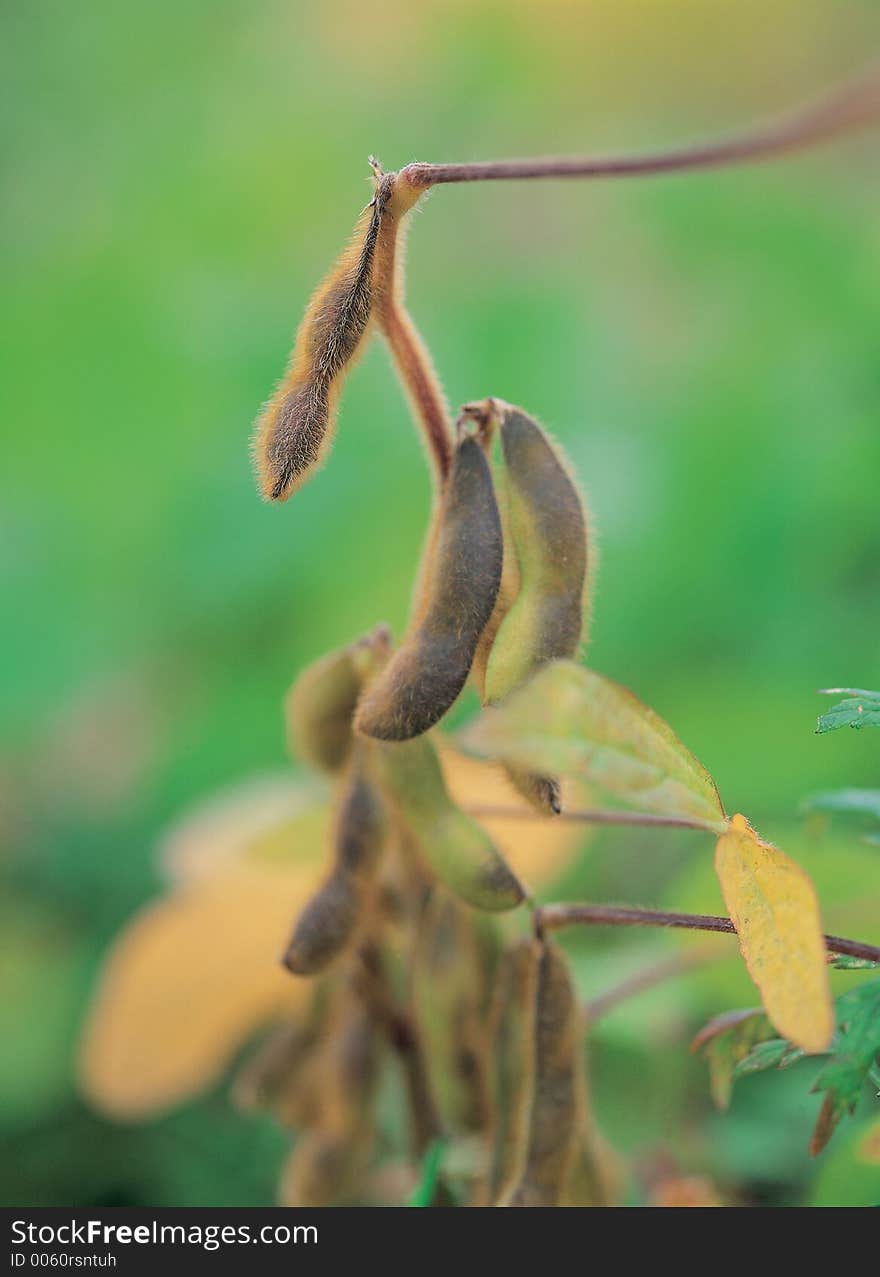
(177, 177)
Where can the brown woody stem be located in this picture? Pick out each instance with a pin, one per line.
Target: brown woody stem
(551, 917)
(852, 106)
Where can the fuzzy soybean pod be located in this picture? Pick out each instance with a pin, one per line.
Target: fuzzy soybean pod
(460, 583)
(293, 432)
(549, 533)
(320, 706)
(331, 918)
(458, 850)
(512, 1029)
(553, 1116)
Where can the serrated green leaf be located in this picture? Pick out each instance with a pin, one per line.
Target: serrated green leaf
(858, 709)
(856, 1047)
(776, 1053)
(568, 720)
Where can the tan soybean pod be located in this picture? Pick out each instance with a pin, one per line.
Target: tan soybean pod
(458, 850)
(553, 1116)
(330, 920)
(548, 529)
(293, 432)
(449, 996)
(512, 1028)
(279, 1076)
(320, 705)
(459, 588)
(328, 1162)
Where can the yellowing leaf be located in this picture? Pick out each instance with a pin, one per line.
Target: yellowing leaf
(187, 982)
(572, 721)
(776, 914)
(538, 850)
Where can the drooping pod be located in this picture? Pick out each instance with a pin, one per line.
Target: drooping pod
(320, 705)
(450, 976)
(548, 529)
(293, 432)
(327, 1163)
(280, 1077)
(458, 850)
(553, 1115)
(331, 918)
(512, 1029)
(460, 585)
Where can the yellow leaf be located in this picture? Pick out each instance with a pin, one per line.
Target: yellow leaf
(776, 914)
(190, 978)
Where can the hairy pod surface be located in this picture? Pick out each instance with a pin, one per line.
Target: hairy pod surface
(449, 996)
(458, 850)
(331, 918)
(426, 674)
(553, 1118)
(545, 622)
(512, 1028)
(320, 705)
(293, 432)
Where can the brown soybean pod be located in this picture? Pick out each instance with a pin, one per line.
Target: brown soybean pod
(331, 918)
(548, 529)
(320, 705)
(293, 432)
(554, 1109)
(426, 674)
(513, 1065)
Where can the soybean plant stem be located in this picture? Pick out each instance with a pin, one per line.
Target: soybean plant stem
(551, 917)
(852, 106)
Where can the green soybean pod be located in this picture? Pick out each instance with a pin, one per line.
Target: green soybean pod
(553, 1117)
(549, 533)
(293, 431)
(320, 705)
(512, 1028)
(458, 850)
(329, 921)
(459, 587)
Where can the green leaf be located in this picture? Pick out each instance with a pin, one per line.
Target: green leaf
(858, 709)
(856, 1048)
(424, 1192)
(571, 721)
(728, 1039)
(776, 1053)
(844, 962)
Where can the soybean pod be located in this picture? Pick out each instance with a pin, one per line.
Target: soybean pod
(293, 432)
(460, 581)
(512, 1028)
(459, 851)
(548, 529)
(553, 1117)
(331, 918)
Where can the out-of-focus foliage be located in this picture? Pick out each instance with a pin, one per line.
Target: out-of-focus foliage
(176, 179)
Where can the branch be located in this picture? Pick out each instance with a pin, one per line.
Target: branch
(551, 917)
(852, 106)
(592, 816)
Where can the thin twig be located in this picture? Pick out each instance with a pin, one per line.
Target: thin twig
(591, 816)
(852, 106)
(666, 969)
(408, 351)
(551, 917)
